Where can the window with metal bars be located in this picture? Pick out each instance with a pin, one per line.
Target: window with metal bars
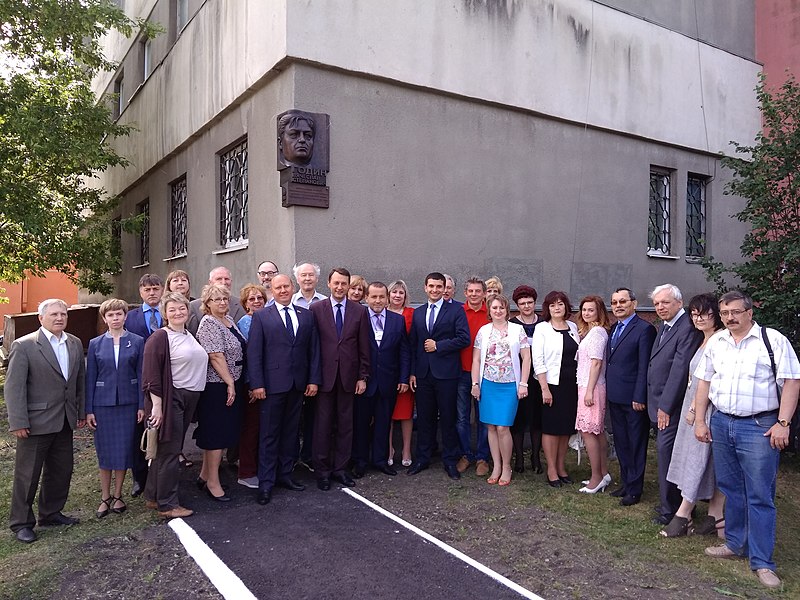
(233, 195)
(658, 226)
(696, 216)
(178, 210)
(143, 208)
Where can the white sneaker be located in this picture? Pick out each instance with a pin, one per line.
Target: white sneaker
(251, 482)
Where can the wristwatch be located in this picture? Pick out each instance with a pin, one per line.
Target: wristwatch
(783, 422)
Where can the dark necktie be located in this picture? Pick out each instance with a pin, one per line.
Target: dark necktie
(664, 333)
(339, 320)
(431, 318)
(289, 326)
(617, 333)
(153, 320)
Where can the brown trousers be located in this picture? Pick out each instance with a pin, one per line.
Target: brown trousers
(164, 474)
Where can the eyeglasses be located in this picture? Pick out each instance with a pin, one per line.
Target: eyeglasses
(267, 273)
(621, 302)
(218, 300)
(703, 317)
(734, 312)
(256, 299)
(526, 303)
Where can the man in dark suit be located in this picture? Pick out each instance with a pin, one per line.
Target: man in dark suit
(344, 337)
(667, 378)
(220, 276)
(627, 358)
(145, 319)
(283, 364)
(390, 366)
(44, 393)
(439, 330)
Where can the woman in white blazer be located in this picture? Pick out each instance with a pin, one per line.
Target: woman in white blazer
(554, 348)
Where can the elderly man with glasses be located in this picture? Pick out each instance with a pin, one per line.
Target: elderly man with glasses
(752, 376)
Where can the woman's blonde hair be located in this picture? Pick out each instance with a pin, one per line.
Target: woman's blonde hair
(208, 291)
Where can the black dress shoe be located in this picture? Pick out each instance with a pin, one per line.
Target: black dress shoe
(200, 483)
(386, 469)
(324, 484)
(264, 497)
(26, 535)
(223, 498)
(416, 468)
(566, 479)
(629, 500)
(136, 489)
(452, 472)
(662, 520)
(619, 492)
(344, 479)
(58, 519)
(556, 483)
(359, 471)
(291, 484)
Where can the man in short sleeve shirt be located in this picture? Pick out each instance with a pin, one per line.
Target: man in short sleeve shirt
(749, 428)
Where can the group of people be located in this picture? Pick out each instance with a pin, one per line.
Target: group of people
(281, 377)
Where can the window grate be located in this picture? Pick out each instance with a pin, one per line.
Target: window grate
(233, 195)
(695, 216)
(178, 202)
(658, 231)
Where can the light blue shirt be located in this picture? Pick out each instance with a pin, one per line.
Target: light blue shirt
(438, 306)
(146, 310)
(334, 302)
(300, 300)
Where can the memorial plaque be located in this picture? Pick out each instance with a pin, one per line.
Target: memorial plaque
(303, 158)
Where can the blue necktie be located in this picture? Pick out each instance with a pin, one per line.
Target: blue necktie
(153, 320)
(431, 318)
(617, 333)
(339, 320)
(289, 327)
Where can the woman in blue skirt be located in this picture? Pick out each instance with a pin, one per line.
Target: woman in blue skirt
(114, 400)
(501, 363)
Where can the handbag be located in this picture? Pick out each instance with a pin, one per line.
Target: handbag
(149, 442)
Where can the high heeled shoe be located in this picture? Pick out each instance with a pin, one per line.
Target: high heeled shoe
(596, 490)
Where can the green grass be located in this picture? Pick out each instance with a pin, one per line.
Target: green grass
(34, 570)
(628, 531)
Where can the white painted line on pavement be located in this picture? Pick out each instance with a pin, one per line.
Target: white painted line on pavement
(449, 549)
(226, 581)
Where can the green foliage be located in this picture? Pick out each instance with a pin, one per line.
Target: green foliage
(767, 176)
(54, 135)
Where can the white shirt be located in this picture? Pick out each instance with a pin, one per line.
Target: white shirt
(60, 349)
(292, 315)
(300, 300)
(741, 377)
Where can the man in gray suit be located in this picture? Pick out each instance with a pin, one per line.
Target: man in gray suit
(220, 276)
(667, 377)
(44, 395)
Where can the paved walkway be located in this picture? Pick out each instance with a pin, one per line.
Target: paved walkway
(321, 545)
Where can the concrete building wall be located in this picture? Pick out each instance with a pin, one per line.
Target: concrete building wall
(510, 138)
(726, 24)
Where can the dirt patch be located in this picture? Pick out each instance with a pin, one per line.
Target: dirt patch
(151, 563)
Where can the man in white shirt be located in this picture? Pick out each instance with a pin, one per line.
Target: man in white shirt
(307, 277)
(44, 393)
(749, 428)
